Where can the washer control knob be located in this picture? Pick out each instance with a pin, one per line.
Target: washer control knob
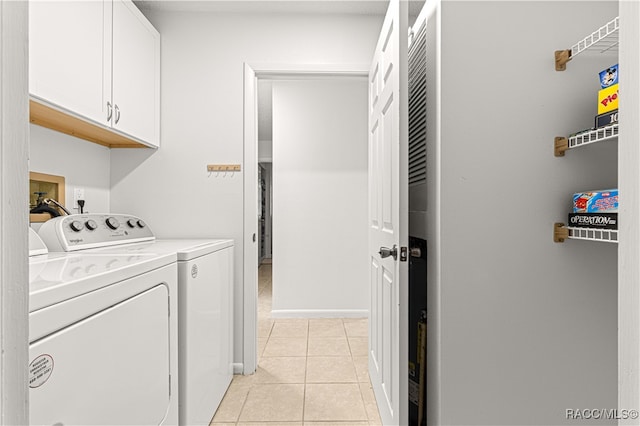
(91, 225)
(76, 226)
(141, 224)
(131, 223)
(113, 223)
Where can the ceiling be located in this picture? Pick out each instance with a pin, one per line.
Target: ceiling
(358, 7)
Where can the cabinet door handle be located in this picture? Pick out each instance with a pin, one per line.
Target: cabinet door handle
(117, 114)
(109, 111)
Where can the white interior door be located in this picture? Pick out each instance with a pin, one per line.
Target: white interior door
(388, 220)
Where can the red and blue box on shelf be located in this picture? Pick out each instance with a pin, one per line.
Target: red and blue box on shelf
(604, 201)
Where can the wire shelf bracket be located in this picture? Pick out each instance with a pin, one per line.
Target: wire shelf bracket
(562, 144)
(604, 39)
(562, 232)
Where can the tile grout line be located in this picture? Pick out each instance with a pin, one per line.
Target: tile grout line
(244, 403)
(364, 405)
(306, 366)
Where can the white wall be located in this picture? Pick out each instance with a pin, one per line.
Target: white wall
(202, 117)
(265, 151)
(265, 108)
(524, 328)
(320, 198)
(83, 164)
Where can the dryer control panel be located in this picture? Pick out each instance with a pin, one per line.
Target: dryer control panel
(93, 230)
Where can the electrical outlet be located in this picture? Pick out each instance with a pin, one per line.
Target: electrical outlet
(78, 194)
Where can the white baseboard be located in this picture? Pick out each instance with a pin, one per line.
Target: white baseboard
(238, 368)
(320, 313)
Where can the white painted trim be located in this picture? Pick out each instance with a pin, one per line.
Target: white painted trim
(14, 252)
(433, 14)
(320, 313)
(250, 246)
(238, 368)
(629, 185)
(250, 256)
(270, 71)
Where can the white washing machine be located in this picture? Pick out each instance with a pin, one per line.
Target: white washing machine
(205, 289)
(103, 338)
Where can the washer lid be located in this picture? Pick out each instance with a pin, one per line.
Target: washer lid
(53, 279)
(36, 245)
(186, 249)
(191, 249)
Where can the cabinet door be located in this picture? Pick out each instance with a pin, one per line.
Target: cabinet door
(70, 56)
(136, 73)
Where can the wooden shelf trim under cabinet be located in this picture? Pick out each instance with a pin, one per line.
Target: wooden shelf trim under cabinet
(60, 121)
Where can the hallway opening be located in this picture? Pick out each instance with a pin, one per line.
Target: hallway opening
(309, 370)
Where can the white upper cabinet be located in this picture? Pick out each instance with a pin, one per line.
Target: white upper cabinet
(70, 56)
(136, 73)
(98, 61)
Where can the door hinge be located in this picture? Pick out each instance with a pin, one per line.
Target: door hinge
(403, 254)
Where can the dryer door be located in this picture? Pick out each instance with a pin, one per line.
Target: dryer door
(109, 368)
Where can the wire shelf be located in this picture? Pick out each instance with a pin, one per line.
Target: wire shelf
(598, 135)
(562, 144)
(605, 39)
(591, 234)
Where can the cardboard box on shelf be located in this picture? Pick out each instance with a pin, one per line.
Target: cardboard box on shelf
(609, 77)
(608, 99)
(607, 119)
(594, 220)
(603, 201)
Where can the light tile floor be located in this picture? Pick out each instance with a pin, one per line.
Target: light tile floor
(310, 372)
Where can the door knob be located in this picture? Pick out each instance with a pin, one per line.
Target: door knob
(386, 252)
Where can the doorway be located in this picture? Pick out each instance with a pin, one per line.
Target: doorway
(252, 246)
(305, 170)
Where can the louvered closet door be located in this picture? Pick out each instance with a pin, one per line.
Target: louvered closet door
(418, 108)
(388, 188)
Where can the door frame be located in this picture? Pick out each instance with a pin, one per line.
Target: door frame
(629, 244)
(253, 72)
(14, 184)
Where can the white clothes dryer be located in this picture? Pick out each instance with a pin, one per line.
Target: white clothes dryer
(103, 334)
(205, 290)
